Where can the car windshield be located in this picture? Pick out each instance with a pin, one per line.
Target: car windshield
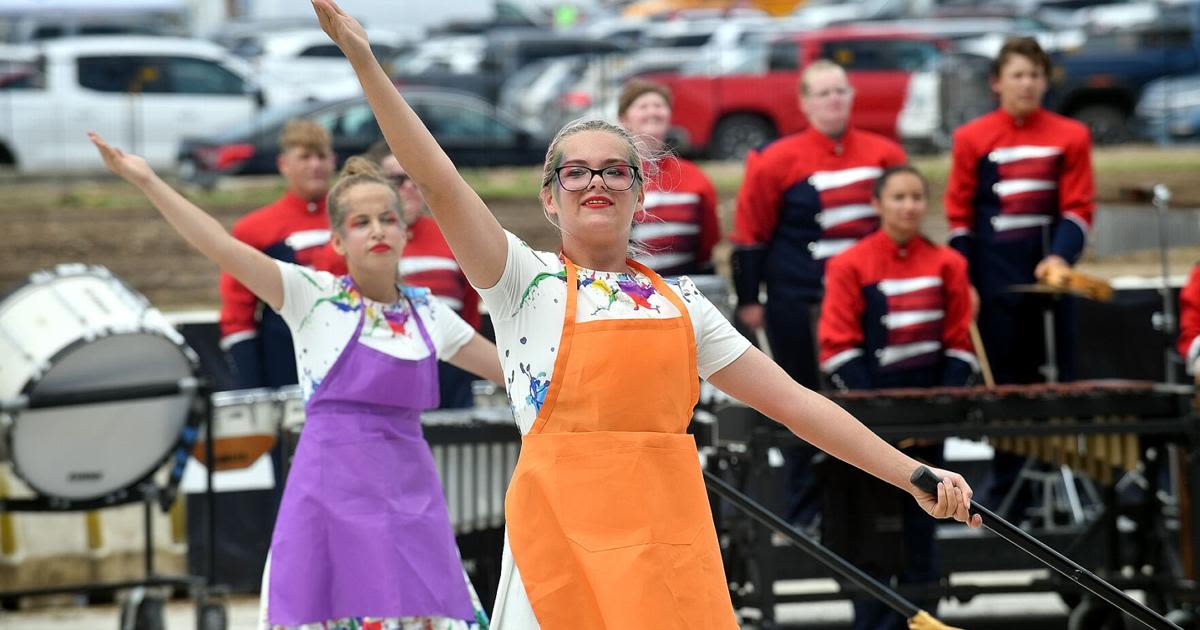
(267, 118)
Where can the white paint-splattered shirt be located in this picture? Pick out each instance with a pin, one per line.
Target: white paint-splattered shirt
(322, 310)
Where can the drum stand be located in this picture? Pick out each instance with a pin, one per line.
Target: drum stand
(143, 609)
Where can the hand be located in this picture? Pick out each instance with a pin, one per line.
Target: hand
(953, 499)
(1051, 270)
(345, 31)
(131, 168)
(975, 301)
(751, 315)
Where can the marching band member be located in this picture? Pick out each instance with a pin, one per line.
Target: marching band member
(678, 224)
(1019, 201)
(896, 314)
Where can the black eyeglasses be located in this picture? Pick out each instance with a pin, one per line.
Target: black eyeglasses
(399, 180)
(576, 177)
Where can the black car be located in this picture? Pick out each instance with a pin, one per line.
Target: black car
(470, 130)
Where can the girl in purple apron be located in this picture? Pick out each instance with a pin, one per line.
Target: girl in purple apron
(363, 537)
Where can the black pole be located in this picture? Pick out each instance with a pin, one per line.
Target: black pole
(210, 497)
(834, 562)
(927, 481)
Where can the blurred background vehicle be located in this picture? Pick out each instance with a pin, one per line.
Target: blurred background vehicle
(473, 133)
(143, 93)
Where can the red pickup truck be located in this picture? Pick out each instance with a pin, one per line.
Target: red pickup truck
(893, 73)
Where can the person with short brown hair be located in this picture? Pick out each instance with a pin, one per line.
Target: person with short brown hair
(677, 226)
(293, 228)
(1019, 201)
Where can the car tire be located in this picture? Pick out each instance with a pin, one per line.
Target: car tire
(738, 134)
(1107, 123)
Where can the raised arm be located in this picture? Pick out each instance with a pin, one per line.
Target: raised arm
(474, 235)
(755, 380)
(251, 267)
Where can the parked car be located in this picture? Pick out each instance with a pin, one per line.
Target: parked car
(1170, 109)
(300, 64)
(504, 53)
(470, 130)
(141, 93)
(893, 71)
(1100, 83)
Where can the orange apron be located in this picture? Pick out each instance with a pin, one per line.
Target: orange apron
(608, 518)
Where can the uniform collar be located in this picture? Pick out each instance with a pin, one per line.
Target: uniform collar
(316, 206)
(832, 146)
(894, 249)
(1018, 123)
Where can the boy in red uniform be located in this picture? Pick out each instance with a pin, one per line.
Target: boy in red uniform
(1019, 201)
(804, 199)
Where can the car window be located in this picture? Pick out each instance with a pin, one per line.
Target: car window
(783, 55)
(321, 50)
(356, 122)
(454, 121)
(190, 75)
(880, 54)
(116, 74)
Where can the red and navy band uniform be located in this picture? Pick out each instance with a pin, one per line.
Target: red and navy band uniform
(896, 316)
(1019, 190)
(428, 262)
(679, 226)
(254, 337)
(1189, 320)
(893, 316)
(804, 199)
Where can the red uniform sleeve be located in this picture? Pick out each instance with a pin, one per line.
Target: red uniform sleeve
(239, 306)
(839, 328)
(1077, 189)
(957, 333)
(1189, 318)
(757, 211)
(710, 225)
(960, 186)
(896, 156)
(470, 309)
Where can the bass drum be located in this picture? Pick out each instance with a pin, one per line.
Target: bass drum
(78, 329)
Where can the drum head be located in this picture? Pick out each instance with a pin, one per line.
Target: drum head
(77, 329)
(87, 451)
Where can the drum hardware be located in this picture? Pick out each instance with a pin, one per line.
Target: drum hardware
(1170, 327)
(97, 392)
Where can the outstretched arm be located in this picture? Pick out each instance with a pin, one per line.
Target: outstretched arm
(479, 357)
(755, 380)
(474, 235)
(251, 267)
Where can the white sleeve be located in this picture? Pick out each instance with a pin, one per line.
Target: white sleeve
(447, 330)
(302, 288)
(520, 268)
(718, 343)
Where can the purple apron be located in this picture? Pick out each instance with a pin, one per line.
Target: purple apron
(363, 529)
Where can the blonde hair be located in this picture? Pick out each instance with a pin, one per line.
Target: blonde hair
(635, 152)
(305, 134)
(357, 171)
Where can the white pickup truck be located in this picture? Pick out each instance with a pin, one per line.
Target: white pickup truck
(141, 93)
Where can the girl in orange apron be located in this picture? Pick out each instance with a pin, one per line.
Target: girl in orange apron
(608, 520)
